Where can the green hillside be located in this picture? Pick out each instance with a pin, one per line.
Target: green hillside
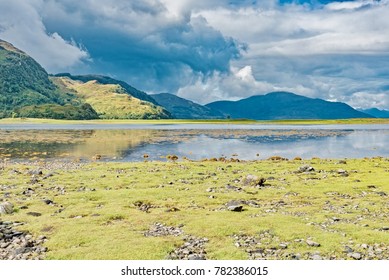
(111, 101)
(26, 90)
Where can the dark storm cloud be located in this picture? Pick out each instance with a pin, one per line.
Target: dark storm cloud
(141, 41)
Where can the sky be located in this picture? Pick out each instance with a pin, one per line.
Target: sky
(208, 50)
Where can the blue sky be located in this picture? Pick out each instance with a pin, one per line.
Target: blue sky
(206, 50)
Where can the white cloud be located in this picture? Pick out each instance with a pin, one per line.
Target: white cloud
(336, 51)
(375, 100)
(21, 25)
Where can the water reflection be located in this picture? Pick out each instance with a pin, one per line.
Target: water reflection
(196, 144)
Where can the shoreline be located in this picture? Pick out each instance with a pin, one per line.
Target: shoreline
(210, 121)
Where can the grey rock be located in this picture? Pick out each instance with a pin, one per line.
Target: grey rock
(6, 208)
(306, 168)
(235, 206)
(316, 257)
(355, 256)
(195, 257)
(312, 243)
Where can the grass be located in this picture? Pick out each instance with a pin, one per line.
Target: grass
(111, 101)
(95, 214)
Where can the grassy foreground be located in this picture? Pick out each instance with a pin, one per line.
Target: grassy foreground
(97, 213)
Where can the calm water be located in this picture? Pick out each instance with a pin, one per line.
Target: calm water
(132, 142)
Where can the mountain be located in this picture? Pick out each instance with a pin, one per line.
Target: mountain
(376, 112)
(184, 109)
(285, 105)
(110, 98)
(104, 80)
(25, 86)
(26, 90)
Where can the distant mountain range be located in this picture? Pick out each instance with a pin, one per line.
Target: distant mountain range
(184, 109)
(376, 112)
(285, 105)
(26, 90)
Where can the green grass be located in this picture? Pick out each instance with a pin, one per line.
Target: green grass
(111, 101)
(99, 219)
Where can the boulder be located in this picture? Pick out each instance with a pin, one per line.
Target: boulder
(6, 208)
(235, 206)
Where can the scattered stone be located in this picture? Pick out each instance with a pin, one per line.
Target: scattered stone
(306, 168)
(192, 249)
(143, 206)
(342, 162)
(159, 229)
(16, 245)
(382, 193)
(6, 208)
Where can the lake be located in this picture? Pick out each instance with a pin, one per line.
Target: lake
(131, 142)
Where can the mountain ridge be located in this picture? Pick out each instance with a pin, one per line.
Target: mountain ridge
(182, 108)
(375, 112)
(285, 105)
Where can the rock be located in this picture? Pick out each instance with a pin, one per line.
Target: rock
(233, 188)
(48, 175)
(382, 193)
(48, 202)
(16, 245)
(35, 172)
(316, 257)
(6, 208)
(342, 172)
(312, 243)
(159, 229)
(283, 246)
(34, 214)
(195, 257)
(253, 180)
(234, 206)
(355, 256)
(306, 168)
